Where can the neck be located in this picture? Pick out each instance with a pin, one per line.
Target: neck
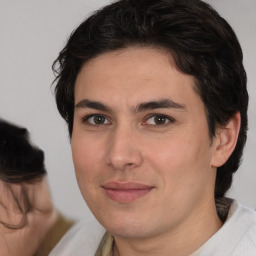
(180, 241)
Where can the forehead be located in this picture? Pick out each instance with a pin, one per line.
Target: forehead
(131, 74)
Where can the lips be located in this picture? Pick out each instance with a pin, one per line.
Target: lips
(125, 192)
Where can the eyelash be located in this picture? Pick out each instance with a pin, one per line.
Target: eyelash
(167, 118)
(87, 117)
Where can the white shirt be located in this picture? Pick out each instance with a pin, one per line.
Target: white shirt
(237, 237)
(82, 239)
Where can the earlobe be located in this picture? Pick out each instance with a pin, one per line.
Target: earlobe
(225, 141)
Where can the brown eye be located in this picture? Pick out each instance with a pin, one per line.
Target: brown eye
(160, 119)
(97, 120)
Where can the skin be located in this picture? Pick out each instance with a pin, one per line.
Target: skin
(25, 241)
(166, 148)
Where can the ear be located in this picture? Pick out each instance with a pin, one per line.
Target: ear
(225, 141)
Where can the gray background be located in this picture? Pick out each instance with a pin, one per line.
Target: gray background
(32, 34)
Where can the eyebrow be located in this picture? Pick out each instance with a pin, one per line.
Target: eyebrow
(163, 103)
(150, 105)
(85, 103)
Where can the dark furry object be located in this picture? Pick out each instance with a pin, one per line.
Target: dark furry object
(19, 159)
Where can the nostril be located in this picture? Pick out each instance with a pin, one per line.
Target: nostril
(123, 162)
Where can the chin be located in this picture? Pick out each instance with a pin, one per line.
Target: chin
(128, 232)
(127, 226)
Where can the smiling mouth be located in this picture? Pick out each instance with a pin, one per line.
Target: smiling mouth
(125, 192)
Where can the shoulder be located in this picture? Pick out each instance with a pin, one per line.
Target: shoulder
(244, 226)
(236, 237)
(54, 235)
(83, 238)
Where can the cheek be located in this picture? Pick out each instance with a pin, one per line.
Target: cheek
(171, 154)
(87, 156)
(183, 172)
(181, 160)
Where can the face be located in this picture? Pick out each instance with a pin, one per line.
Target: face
(140, 143)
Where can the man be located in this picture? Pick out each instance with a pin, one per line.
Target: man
(154, 95)
(29, 223)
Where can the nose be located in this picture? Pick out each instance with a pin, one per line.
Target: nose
(124, 151)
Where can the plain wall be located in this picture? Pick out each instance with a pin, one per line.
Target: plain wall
(33, 33)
